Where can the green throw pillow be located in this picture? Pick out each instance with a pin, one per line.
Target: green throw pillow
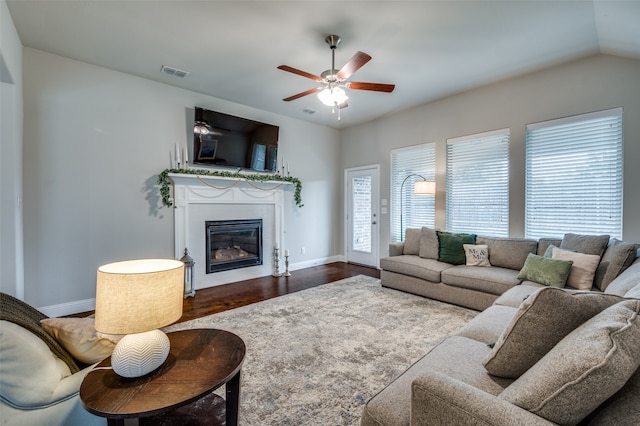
(451, 247)
(544, 270)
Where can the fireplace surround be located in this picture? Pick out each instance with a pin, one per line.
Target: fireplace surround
(198, 199)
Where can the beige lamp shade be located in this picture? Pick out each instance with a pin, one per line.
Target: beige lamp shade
(138, 295)
(424, 187)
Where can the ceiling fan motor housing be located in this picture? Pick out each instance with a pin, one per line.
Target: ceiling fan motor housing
(333, 41)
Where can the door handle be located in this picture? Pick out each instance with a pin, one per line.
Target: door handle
(373, 223)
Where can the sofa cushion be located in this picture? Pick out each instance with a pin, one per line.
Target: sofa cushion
(492, 280)
(624, 282)
(622, 408)
(392, 405)
(634, 293)
(451, 246)
(544, 243)
(584, 369)
(508, 252)
(426, 269)
(476, 254)
(80, 338)
(543, 270)
(518, 294)
(29, 372)
(616, 258)
(411, 241)
(488, 325)
(429, 243)
(541, 321)
(583, 269)
(587, 244)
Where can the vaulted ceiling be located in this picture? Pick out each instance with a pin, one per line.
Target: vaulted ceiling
(428, 49)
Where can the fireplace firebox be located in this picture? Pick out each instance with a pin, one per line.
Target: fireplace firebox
(233, 244)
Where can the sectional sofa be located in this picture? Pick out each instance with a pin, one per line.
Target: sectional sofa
(415, 265)
(537, 355)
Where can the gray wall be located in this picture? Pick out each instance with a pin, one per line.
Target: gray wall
(11, 277)
(591, 84)
(93, 146)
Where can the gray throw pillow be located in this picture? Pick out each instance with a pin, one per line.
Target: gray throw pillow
(542, 320)
(411, 241)
(428, 243)
(587, 244)
(616, 258)
(626, 281)
(584, 369)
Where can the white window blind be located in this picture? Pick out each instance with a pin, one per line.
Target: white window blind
(418, 210)
(478, 184)
(574, 175)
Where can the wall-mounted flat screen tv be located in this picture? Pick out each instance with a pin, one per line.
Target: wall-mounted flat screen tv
(224, 140)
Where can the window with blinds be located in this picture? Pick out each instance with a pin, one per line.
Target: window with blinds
(574, 175)
(416, 210)
(478, 184)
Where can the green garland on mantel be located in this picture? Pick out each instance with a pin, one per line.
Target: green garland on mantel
(165, 182)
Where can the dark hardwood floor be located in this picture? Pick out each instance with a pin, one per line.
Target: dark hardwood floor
(228, 296)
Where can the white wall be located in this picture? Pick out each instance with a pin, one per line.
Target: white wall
(11, 267)
(96, 140)
(591, 84)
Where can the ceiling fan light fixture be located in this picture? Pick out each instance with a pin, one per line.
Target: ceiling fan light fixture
(201, 128)
(332, 97)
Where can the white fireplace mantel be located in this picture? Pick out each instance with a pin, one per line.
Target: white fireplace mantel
(198, 198)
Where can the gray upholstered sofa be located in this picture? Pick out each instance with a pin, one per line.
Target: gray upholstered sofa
(538, 355)
(413, 265)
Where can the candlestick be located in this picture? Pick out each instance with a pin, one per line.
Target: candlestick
(276, 262)
(178, 155)
(286, 264)
(186, 158)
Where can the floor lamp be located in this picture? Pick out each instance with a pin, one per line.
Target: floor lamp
(420, 187)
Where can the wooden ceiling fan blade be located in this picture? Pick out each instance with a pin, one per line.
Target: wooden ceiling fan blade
(354, 64)
(301, 94)
(376, 87)
(299, 72)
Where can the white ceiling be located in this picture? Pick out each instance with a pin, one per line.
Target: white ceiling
(429, 49)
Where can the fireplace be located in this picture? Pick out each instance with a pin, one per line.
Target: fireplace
(233, 244)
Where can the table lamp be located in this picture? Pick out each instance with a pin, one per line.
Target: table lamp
(135, 298)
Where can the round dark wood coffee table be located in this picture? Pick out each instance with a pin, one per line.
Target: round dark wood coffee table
(199, 362)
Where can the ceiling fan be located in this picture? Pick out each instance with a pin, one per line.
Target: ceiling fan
(333, 82)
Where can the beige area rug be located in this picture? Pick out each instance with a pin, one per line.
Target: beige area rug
(315, 357)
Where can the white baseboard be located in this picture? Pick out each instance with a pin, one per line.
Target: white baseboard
(90, 304)
(69, 308)
(316, 262)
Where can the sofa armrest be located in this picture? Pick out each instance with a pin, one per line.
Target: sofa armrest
(396, 249)
(70, 386)
(437, 399)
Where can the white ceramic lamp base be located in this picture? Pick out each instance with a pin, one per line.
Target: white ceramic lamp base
(138, 354)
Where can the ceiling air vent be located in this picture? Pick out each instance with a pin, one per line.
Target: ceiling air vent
(174, 71)
(309, 111)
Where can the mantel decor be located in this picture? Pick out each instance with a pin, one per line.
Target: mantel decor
(165, 182)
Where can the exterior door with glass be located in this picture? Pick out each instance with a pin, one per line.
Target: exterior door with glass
(362, 195)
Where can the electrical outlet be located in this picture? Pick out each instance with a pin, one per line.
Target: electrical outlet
(303, 250)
